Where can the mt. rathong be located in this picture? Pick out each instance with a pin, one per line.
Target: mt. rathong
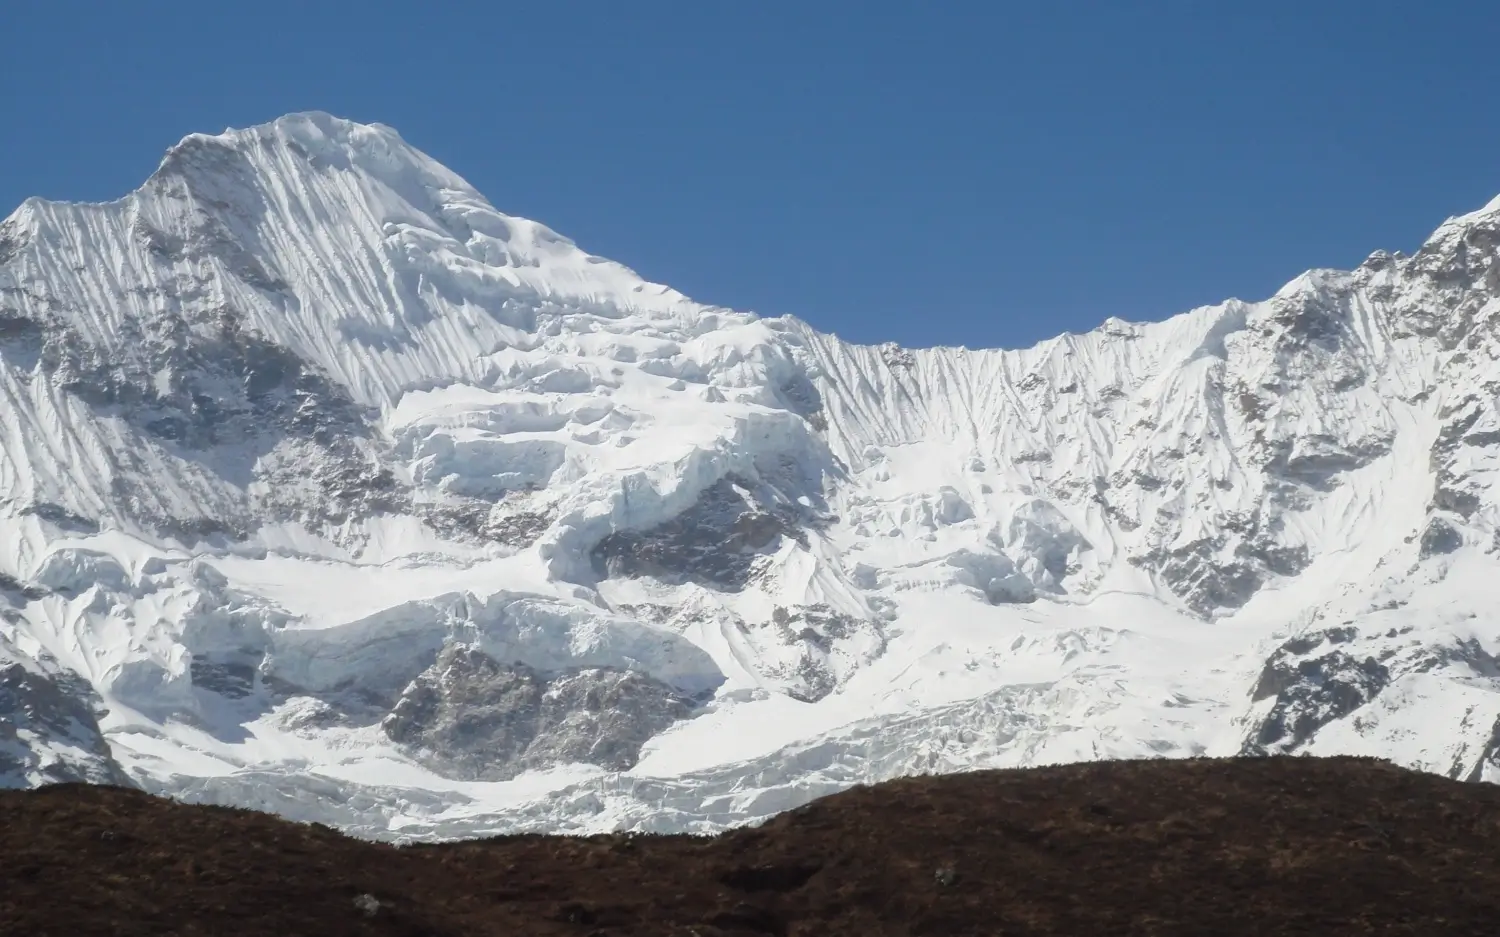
(327, 489)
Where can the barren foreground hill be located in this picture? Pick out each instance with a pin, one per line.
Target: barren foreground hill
(1200, 847)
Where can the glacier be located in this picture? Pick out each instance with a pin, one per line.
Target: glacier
(328, 489)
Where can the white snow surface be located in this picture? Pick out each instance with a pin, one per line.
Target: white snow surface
(304, 409)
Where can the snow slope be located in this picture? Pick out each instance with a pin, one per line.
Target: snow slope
(327, 488)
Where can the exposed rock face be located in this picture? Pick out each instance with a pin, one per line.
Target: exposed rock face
(1311, 690)
(470, 717)
(49, 734)
(716, 542)
(1326, 676)
(232, 678)
(1224, 572)
(822, 640)
(267, 433)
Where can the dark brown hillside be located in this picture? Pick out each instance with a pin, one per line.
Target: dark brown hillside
(1260, 846)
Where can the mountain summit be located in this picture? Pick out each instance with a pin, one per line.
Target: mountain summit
(327, 488)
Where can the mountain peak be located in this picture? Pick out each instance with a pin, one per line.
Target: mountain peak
(312, 460)
(310, 131)
(314, 142)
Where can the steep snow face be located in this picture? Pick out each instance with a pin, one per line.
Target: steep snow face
(327, 488)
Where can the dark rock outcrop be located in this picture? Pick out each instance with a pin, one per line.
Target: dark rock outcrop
(470, 716)
(49, 730)
(716, 542)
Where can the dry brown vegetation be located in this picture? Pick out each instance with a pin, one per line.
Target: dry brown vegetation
(1262, 846)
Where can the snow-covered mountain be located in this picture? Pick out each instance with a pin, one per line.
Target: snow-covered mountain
(327, 488)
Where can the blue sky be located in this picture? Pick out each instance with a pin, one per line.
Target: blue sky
(954, 173)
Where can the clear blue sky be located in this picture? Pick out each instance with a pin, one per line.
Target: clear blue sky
(955, 173)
